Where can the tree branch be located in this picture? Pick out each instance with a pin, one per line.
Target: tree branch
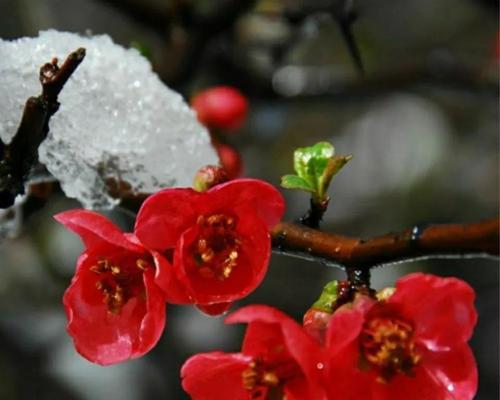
(479, 239)
(18, 157)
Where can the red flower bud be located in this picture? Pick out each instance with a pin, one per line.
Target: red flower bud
(221, 107)
(230, 160)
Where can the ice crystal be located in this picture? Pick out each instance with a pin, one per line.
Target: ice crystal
(117, 120)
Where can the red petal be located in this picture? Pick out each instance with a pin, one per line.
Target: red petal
(442, 309)
(164, 216)
(153, 323)
(245, 277)
(173, 290)
(455, 369)
(345, 327)
(421, 386)
(344, 380)
(248, 194)
(105, 338)
(215, 376)
(95, 229)
(214, 310)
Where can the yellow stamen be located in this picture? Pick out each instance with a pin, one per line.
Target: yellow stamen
(141, 264)
(270, 379)
(207, 255)
(387, 344)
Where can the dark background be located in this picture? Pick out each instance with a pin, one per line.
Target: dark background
(422, 126)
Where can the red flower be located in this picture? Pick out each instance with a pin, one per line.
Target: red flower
(114, 307)
(221, 107)
(220, 239)
(278, 360)
(411, 346)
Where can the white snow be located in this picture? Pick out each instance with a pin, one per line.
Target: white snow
(117, 119)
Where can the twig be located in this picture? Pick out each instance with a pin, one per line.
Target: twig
(345, 18)
(18, 157)
(315, 213)
(479, 239)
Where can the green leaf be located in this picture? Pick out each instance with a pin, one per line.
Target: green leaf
(328, 297)
(310, 162)
(334, 165)
(315, 167)
(296, 182)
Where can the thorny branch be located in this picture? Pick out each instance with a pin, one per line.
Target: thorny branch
(18, 157)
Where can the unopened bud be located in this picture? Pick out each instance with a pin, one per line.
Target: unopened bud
(209, 176)
(230, 159)
(221, 107)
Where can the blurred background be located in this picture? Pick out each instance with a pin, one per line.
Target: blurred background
(422, 124)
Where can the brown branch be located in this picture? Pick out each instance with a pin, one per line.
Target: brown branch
(18, 157)
(479, 239)
(315, 213)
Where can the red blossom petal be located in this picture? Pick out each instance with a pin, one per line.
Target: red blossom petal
(345, 327)
(419, 387)
(96, 230)
(164, 216)
(214, 309)
(165, 278)
(344, 380)
(456, 370)
(215, 376)
(153, 322)
(102, 337)
(251, 268)
(242, 195)
(442, 309)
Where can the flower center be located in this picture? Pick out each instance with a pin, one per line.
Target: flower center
(265, 381)
(216, 249)
(119, 283)
(387, 344)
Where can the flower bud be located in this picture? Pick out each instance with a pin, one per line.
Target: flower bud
(230, 160)
(221, 107)
(209, 176)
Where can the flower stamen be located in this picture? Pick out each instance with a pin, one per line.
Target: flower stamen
(118, 283)
(265, 380)
(387, 345)
(216, 250)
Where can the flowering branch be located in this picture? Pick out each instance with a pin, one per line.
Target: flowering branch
(357, 256)
(480, 239)
(18, 157)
